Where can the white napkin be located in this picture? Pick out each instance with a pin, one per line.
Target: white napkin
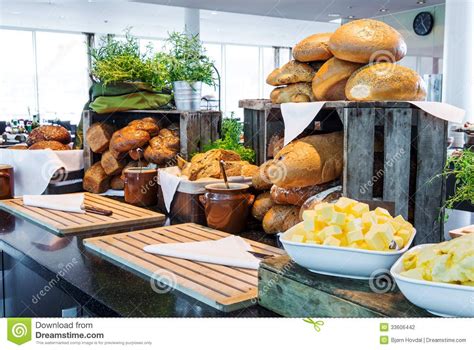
(229, 251)
(169, 183)
(63, 202)
(34, 169)
(441, 110)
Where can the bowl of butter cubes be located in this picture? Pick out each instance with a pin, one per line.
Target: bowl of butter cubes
(347, 239)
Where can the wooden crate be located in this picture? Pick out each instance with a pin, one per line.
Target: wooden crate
(392, 152)
(290, 290)
(196, 128)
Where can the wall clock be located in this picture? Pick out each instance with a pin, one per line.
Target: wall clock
(423, 23)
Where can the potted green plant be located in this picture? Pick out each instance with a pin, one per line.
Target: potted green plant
(189, 67)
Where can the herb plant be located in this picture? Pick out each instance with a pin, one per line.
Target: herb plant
(462, 167)
(187, 60)
(232, 130)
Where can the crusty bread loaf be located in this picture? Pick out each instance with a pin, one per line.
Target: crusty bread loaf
(296, 195)
(248, 170)
(298, 92)
(261, 205)
(98, 136)
(162, 148)
(385, 81)
(17, 147)
(367, 40)
(110, 164)
(290, 73)
(280, 218)
(146, 124)
(95, 179)
(260, 180)
(308, 161)
(207, 164)
(128, 138)
(49, 133)
(117, 183)
(52, 145)
(330, 80)
(313, 48)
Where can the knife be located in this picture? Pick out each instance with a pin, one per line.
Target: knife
(98, 211)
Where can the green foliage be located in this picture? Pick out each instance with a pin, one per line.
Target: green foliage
(187, 60)
(462, 167)
(232, 130)
(117, 61)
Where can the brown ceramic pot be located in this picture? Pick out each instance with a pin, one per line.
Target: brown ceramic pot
(227, 209)
(7, 182)
(140, 186)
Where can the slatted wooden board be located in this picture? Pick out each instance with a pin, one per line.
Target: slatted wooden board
(224, 288)
(125, 216)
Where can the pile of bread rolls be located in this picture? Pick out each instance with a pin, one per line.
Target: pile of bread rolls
(300, 170)
(53, 137)
(139, 143)
(357, 62)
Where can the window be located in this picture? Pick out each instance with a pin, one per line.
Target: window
(17, 75)
(268, 58)
(214, 51)
(285, 55)
(156, 45)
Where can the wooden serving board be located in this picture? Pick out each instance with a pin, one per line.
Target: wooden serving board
(461, 231)
(125, 216)
(222, 287)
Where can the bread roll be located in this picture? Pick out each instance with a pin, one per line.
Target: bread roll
(128, 138)
(313, 48)
(207, 164)
(367, 40)
(49, 133)
(298, 92)
(290, 73)
(146, 124)
(98, 136)
(385, 81)
(280, 218)
(162, 148)
(52, 145)
(261, 205)
(248, 170)
(330, 80)
(260, 180)
(111, 165)
(297, 195)
(95, 179)
(116, 183)
(311, 160)
(17, 147)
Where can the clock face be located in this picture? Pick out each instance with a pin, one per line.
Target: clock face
(423, 23)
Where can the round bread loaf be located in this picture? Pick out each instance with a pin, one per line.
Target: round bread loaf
(330, 80)
(280, 218)
(367, 40)
(52, 145)
(49, 133)
(290, 73)
(313, 48)
(385, 82)
(262, 205)
(298, 92)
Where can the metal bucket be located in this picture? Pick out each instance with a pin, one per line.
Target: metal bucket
(187, 96)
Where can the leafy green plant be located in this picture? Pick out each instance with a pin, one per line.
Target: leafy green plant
(118, 61)
(462, 167)
(187, 60)
(232, 130)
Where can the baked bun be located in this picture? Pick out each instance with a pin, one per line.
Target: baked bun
(367, 40)
(18, 147)
(330, 80)
(313, 48)
(290, 73)
(128, 138)
(49, 133)
(52, 145)
(146, 124)
(280, 218)
(162, 148)
(262, 204)
(384, 82)
(298, 92)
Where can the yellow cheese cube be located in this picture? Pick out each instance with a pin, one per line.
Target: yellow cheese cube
(309, 215)
(331, 231)
(400, 242)
(331, 240)
(369, 219)
(338, 219)
(350, 217)
(379, 236)
(400, 220)
(311, 223)
(395, 224)
(358, 209)
(297, 238)
(354, 236)
(382, 212)
(324, 214)
(354, 225)
(343, 204)
(405, 235)
(382, 219)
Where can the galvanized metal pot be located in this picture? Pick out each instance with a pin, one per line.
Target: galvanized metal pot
(187, 96)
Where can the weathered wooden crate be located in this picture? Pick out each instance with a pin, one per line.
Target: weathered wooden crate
(196, 128)
(290, 290)
(392, 152)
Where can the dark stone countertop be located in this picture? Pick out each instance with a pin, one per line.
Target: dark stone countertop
(99, 285)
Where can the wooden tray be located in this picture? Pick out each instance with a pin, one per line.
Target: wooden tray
(224, 288)
(461, 231)
(125, 216)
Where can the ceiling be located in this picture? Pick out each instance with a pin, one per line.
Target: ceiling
(310, 10)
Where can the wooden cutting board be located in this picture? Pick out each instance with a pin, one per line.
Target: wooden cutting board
(125, 216)
(224, 288)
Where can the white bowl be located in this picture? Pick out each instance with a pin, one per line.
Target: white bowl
(340, 261)
(441, 299)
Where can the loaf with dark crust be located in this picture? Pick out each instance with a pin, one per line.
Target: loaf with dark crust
(98, 136)
(52, 145)
(162, 148)
(128, 138)
(111, 165)
(280, 218)
(95, 179)
(146, 124)
(49, 133)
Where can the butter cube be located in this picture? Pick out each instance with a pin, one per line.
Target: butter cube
(358, 209)
(382, 212)
(395, 224)
(311, 242)
(369, 219)
(382, 219)
(324, 214)
(331, 240)
(405, 235)
(400, 242)
(379, 236)
(354, 236)
(310, 235)
(338, 219)
(343, 204)
(330, 231)
(309, 215)
(297, 238)
(353, 225)
(363, 245)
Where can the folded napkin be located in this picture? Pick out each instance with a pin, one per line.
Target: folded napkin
(229, 251)
(169, 183)
(63, 202)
